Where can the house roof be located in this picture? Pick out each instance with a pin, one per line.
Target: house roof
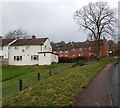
(6, 41)
(73, 45)
(35, 41)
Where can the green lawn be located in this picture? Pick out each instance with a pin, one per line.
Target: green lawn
(59, 89)
(12, 74)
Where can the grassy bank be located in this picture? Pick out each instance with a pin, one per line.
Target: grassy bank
(59, 89)
(12, 74)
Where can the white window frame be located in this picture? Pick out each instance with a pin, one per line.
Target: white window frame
(34, 57)
(80, 54)
(27, 46)
(66, 55)
(17, 58)
(1, 47)
(81, 49)
(60, 51)
(66, 51)
(90, 48)
(61, 55)
(15, 47)
(73, 49)
(74, 55)
(90, 54)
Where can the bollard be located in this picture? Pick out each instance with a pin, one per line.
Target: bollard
(38, 76)
(20, 85)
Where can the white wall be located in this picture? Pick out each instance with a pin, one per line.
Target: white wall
(4, 52)
(33, 50)
(48, 46)
(47, 58)
(26, 55)
(54, 58)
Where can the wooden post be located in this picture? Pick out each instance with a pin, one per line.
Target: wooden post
(20, 85)
(38, 76)
(50, 72)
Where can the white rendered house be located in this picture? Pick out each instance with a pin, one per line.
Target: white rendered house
(34, 51)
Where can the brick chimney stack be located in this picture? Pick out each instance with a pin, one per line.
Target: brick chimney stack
(33, 36)
(104, 39)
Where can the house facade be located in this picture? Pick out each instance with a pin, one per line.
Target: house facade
(85, 49)
(34, 51)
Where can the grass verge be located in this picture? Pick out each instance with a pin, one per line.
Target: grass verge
(59, 89)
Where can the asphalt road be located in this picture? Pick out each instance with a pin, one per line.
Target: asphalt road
(114, 82)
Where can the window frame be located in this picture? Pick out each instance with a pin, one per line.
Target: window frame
(35, 57)
(18, 58)
(16, 47)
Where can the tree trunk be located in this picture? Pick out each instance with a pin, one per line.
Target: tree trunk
(98, 50)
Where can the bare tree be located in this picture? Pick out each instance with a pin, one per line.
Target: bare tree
(98, 19)
(16, 34)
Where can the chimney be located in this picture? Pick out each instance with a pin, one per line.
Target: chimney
(104, 39)
(87, 40)
(33, 36)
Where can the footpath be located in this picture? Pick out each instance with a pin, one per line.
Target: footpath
(97, 92)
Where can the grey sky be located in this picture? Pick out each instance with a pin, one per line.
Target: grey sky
(46, 19)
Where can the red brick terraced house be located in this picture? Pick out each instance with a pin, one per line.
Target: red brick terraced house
(85, 49)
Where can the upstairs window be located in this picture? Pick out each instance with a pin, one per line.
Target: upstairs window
(73, 49)
(90, 53)
(45, 46)
(27, 46)
(17, 58)
(81, 49)
(1, 47)
(90, 48)
(34, 57)
(66, 51)
(60, 51)
(16, 47)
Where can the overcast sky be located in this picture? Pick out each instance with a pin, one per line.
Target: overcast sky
(52, 19)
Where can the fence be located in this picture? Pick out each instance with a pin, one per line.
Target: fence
(30, 79)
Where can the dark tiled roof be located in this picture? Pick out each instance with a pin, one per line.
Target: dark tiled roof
(6, 41)
(36, 41)
(85, 44)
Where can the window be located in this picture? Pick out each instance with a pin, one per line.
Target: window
(45, 46)
(17, 58)
(16, 47)
(74, 55)
(80, 54)
(73, 49)
(66, 55)
(66, 51)
(27, 46)
(61, 55)
(1, 47)
(1, 57)
(90, 48)
(44, 54)
(90, 53)
(60, 51)
(34, 57)
(81, 49)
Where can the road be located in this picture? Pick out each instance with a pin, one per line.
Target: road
(114, 83)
